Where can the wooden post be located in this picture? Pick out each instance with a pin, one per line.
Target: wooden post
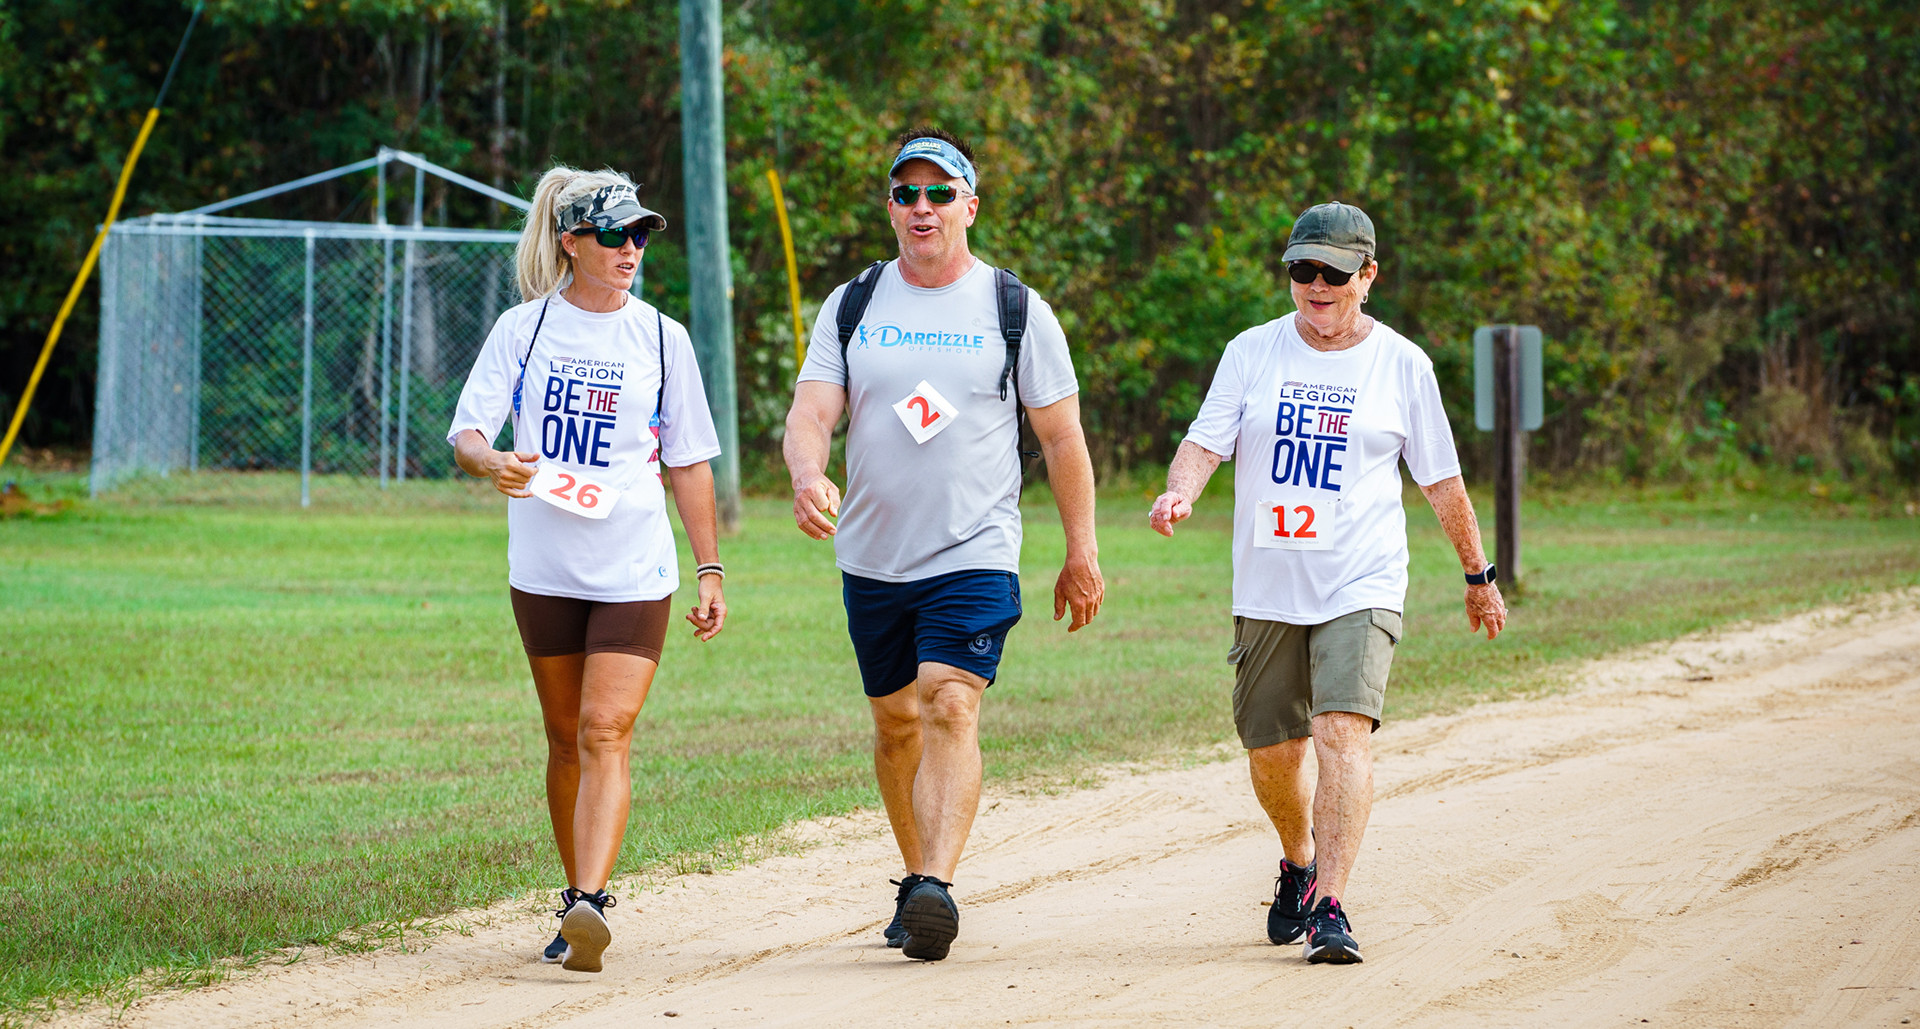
(1509, 469)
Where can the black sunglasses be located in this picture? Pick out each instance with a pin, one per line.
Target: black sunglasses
(613, 238)
(1303, 273)
(938, 195)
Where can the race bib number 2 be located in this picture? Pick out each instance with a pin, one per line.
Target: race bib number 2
(1297, 523)
(925, 412)
(573, 492)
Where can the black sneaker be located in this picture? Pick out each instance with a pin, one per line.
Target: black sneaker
(556, 951)
(1329, 937)
(1287, 918)
(584, 927)
(896, 933)
(930, 918)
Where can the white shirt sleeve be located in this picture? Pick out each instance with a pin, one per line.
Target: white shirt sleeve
(487, 398)
(1429, 449)
(1045, 365)
(687, 435)
(1217, 426)
(824, 362)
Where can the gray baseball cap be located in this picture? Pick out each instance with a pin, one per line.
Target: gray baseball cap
(609, 207)
(1332, 233)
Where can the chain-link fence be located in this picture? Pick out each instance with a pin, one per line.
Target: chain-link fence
(331, 349)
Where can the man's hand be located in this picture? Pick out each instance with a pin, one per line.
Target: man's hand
(1169, 510)
(1079, 589)
(710, 615)
(815, 504)
(1486, 608)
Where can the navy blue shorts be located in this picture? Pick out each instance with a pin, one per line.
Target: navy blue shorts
(959, 619)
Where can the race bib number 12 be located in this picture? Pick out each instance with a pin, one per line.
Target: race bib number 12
(925, 412)
(1297, 523)
(573, 492)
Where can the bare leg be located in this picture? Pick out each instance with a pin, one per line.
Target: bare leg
(946, 792)
(612, 689)
(1344, 799)
(896, 760)
(556, 680)
(1285, 791)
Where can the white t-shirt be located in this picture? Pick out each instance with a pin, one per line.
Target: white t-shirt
(933, 482)
(586, 406)
(1318, 527)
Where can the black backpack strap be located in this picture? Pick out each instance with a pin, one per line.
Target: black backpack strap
(1010, 295)
(853, 307)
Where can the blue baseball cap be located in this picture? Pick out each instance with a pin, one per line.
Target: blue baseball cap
(940, 152)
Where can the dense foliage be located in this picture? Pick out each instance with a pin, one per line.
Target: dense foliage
(1709, 206)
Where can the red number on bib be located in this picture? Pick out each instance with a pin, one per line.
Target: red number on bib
(561, 490)
(589, 495)
(927, 414)
(1304, 532)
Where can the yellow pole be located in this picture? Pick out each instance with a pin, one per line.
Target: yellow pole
(79, 283)
(793, 272)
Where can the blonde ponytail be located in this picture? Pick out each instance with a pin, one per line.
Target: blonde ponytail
(540, 265)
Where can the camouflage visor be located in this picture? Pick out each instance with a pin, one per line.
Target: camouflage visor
(608, 207)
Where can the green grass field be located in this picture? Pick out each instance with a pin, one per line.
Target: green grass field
(229, 726)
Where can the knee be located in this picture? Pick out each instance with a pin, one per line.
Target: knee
(1343, 732)
(891, 733)
(950, 707)
(563, 743)
(1281, 759)
(604, 733)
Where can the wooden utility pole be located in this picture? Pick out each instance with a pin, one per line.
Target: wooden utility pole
(703, 145)
(1509, 451)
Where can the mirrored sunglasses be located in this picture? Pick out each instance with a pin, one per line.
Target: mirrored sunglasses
(939, 194)
(612, 239)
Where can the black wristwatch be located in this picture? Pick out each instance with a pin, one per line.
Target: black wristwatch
(1484, 577)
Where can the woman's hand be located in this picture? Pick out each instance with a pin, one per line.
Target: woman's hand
(710, 615)
(511, 470)
(1169, 509)
(1486, 609)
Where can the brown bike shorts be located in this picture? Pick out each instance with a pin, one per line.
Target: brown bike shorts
(556, 626)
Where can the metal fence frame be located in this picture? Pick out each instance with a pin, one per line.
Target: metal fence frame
(153, 317)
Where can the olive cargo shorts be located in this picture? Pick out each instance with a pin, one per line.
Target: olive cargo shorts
(1285, 674)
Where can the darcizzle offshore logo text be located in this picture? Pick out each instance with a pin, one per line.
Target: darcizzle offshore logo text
(1312, 421)
(889, 337)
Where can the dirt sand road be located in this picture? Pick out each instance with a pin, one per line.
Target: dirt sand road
(1721, 832)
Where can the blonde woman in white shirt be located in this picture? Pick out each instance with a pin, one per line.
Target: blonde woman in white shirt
(1318, 409)
(603, 392)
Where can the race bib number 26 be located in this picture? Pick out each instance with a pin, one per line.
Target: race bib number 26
(573, 492)
(1297, 523)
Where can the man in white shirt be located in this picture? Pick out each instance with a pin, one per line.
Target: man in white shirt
(929, 545)
(1320, 407)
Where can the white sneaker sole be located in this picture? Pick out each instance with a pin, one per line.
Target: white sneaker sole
(587, 937)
